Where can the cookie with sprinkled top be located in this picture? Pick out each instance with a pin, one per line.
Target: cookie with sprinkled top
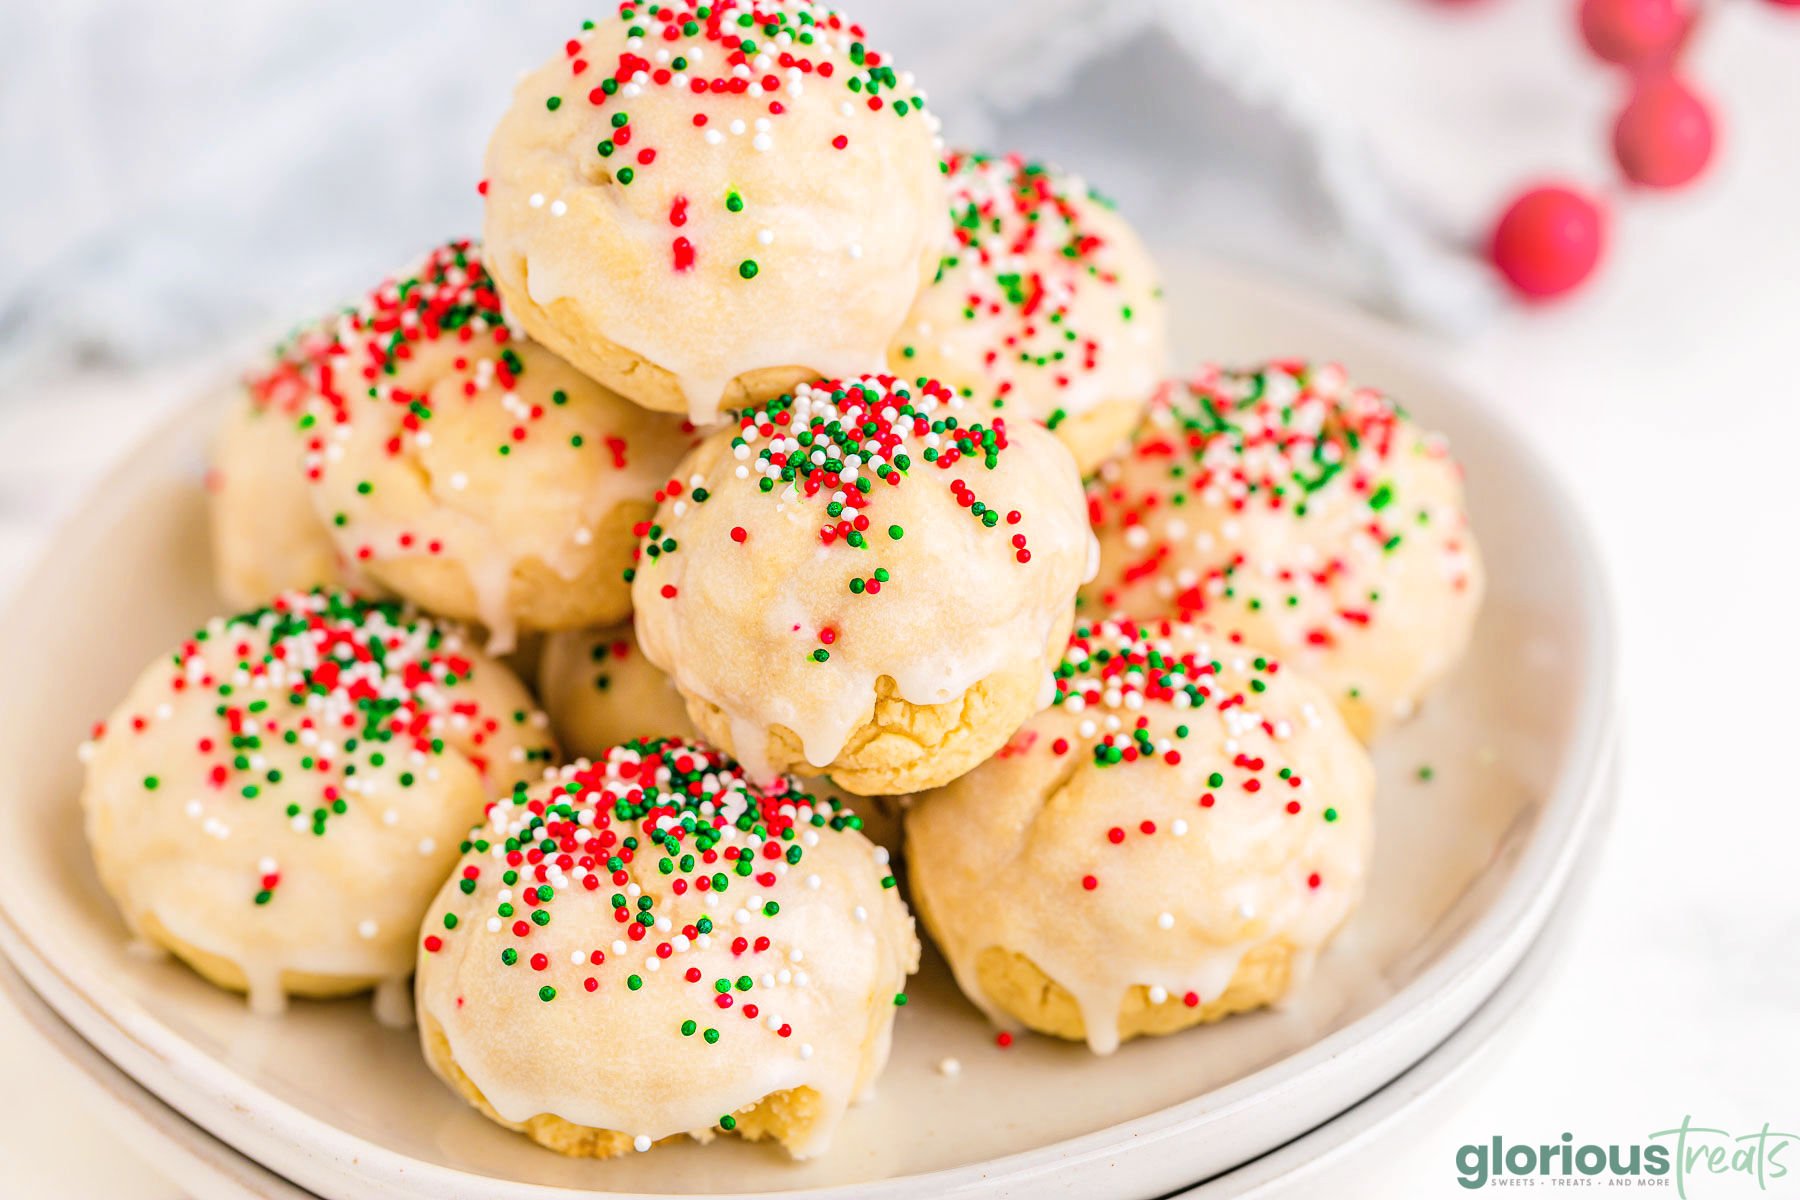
(468, 468)
(867, 579)
(1045, 306)
(601, 692)
(703, 205)
(1172, 841)
(266, 536)
(1306, 511)
(651, 945)
(278, 799)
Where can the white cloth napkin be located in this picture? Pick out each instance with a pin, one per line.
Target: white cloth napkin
(184, 171)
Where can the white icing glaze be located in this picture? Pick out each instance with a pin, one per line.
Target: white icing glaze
(957, 608)
(617, 1057)
(835, 216)
(192, 831)
(1241, 819)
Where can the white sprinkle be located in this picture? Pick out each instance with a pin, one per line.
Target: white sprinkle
(367, 929)
(1165, 921)
(537, 200)
(949, 1066)
(640, 1143)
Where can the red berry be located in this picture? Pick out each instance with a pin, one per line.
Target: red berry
(1548, 241)
(1664, 135)
(1635, 33)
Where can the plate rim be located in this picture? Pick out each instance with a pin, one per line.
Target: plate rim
(1439, 999)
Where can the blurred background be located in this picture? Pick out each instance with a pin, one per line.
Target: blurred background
(181, 181)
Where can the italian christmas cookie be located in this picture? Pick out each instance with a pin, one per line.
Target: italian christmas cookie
(1310, 513)
(704, 205)
(266, 536)
(278, 800)
(1170, 843)
(601, 692)
(1045, 306)
(469, 469)
(652, 945)
(864, 578)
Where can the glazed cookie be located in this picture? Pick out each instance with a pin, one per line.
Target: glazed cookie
(601, 692)
(651, 945)
(704, 205)
(1046, 306)
(1171, 842)
(469, 469)
(1308, 513)
(266, 537)
(278, 800)
(864, 579)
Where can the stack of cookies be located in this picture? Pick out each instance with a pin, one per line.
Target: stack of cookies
(820, 480)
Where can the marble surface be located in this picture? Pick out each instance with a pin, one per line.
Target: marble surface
(1665, 395)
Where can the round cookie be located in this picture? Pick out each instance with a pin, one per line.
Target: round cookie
(704, 205)
(862, 579)
(471, 470)
(1310, 514)
(601, 692)
(266, 538)
(278, 800)
(1171, 842)
(1046, 305)
(650, 945)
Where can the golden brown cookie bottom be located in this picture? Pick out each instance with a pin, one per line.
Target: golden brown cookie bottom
(1015, 985)
(561, 326)
(538, 597)
(787, 1117)
(222, 972)
(903, 747)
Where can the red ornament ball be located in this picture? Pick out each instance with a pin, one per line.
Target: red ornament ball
(1664, 135)
(1635, 33)
(1548, 241)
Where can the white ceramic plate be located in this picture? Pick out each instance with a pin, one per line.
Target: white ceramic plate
(207, 1169)
(1467, 870)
